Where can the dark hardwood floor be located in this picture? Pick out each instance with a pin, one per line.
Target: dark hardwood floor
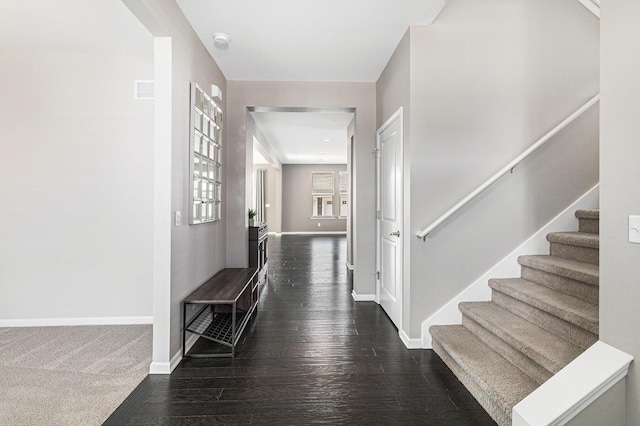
(311, 356)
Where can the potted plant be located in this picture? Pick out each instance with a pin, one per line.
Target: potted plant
(252, 214)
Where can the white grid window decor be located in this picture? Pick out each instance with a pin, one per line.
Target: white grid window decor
(205, 144)
(322, 190)
(344, 187)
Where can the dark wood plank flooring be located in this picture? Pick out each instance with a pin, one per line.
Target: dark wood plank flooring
(311, 356)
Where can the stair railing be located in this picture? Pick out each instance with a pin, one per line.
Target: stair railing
(509, 167)
(593, 6)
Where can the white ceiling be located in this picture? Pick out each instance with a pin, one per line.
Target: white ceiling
(71, 26)
(300, 137)
(276, 40)
(304, 40)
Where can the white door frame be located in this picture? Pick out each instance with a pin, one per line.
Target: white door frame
(399, 114)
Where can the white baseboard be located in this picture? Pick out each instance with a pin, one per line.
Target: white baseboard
(160, 368)
(574, 388)
(479, 290)
(168, 367)
(410, 343)
(315, 233)
(54, 322)
(363, 297)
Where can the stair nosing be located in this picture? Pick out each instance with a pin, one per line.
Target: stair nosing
(590, 214)
(487, 386)
(578, 239)
(550, 363)
(587, 273)
(587, 322)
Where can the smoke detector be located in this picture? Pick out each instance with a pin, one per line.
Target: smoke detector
(221, 39)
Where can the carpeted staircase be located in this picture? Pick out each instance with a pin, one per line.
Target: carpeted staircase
(533, 326)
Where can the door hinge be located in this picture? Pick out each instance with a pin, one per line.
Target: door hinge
(377, 275)
(378, 215)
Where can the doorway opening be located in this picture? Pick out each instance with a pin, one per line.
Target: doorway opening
(300, 170)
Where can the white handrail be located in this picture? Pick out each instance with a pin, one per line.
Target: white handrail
(593, 6)
(426, 231)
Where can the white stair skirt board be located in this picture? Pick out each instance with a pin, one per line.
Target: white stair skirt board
(479, 290)
(574, 387)
(363, 297)
(55, 322)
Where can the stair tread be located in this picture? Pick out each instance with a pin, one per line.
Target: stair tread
(564, 306)
(569, 268)
(547, 349)
(582, 239)
(588, 214)
(497, 377)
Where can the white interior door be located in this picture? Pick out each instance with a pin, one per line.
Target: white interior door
(389, 241)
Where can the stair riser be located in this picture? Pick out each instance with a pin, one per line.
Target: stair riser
(592, 226)
(582, 254)
(528, 366)
(561, 328)
(501, 416)
(579, 289)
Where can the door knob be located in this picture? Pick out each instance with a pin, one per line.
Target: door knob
(395, 234)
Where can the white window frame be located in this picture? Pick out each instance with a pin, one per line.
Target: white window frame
(323, 190)
(343, 186)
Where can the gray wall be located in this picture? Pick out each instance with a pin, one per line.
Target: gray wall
(393, 92)
(620, 151)
(296, 199)
(487, 80)
(76, 173)
(315, 95)
(197, 251)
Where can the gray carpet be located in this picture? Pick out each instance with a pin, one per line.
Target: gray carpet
(70, 375)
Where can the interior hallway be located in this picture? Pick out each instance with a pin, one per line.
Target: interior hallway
(311, 356)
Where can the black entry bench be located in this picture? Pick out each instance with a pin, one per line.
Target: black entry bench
(225, 304)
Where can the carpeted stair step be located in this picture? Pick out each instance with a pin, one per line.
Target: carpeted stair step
(536, 352)
(589, 221)
(567, 276)
(496, 383)
(568, 317)
(579, 246)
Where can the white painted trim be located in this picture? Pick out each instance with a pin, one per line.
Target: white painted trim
(167, 368)
(315, 233)
(349, 265)
(163, 107)
(592, 5)
(160, 368)
(175, 360)
(410, 343)
(55, 322)
(398, 115)
(363, 297)
(574, 387)
(479, 290)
